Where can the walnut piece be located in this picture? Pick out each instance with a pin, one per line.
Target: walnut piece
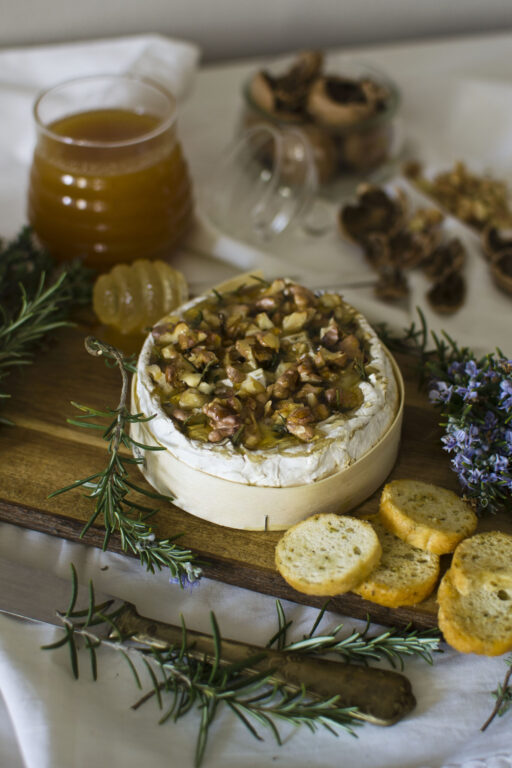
(259, 364)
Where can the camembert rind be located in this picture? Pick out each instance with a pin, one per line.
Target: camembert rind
(253, 508)
(342, 438)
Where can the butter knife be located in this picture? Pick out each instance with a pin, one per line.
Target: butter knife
(382, 696)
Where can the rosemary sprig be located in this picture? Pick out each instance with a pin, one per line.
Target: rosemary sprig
(180, 679)
(111, 488)
(392, 645)
(503, 696)
(179, 682)
(36, 317)
(35, 300)
(412, 340)
(475, 397)
(22, 262)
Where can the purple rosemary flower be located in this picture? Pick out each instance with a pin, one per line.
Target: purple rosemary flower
(471, 369)
(506, 394)
(470, 392)
(476, 399)
(441, 392)
(490, 421)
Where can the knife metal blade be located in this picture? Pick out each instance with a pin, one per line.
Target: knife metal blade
(382, 696)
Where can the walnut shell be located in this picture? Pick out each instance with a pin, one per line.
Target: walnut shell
(501, 270)
(447, 295)
(285, 95)
(375, 211)
(306, 68)
(408, 249)
(392, 285)
(447, 257)
(337, 101)
(264, 93)
(495, 239)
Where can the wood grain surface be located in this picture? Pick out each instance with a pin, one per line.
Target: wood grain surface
(43, 453)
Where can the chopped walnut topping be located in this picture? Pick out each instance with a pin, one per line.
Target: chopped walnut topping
(200, 357)
(192, 398)
(295, 321)
(180, 414)
(267, 303)
(268, 340)
(330, 335)
(175, 370)
(235, 374)
(224, 418)
(309, 394)
(302, 296)
(261, 364)
(307, 372)
(186, 337)
(245, 348)
(284, 385)
(264, 322)
(299, 423)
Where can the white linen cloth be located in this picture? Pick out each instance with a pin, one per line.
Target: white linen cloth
(61, 723)
(47, 720)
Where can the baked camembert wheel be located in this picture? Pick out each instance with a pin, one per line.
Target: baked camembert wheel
(267, 385)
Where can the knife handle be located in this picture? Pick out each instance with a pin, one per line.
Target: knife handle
(382, 696)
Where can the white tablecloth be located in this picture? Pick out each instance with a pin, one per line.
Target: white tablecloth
(47, 719)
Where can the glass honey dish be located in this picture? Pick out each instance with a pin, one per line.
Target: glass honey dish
(108, 182)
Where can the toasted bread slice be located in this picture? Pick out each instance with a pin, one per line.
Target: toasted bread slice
(479, 622)
(483, 561)
(327, 554)
(405, 574)
(426, 516)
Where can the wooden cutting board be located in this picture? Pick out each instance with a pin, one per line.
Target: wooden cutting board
(43, 453)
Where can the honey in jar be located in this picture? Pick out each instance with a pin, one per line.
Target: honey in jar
(108, 182)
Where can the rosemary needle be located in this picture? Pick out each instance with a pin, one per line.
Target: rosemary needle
(34, 301)
(112, 488)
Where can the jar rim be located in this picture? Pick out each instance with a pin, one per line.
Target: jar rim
(165, 123)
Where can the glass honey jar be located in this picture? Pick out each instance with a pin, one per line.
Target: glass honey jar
(109, 182)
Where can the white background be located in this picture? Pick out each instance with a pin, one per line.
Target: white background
(227, 29)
